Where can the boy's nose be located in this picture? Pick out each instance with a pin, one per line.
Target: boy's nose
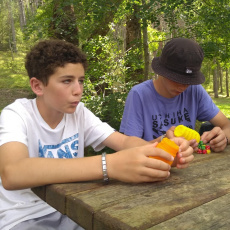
(77, 89)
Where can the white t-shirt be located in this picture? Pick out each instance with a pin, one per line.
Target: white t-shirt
(22, 122)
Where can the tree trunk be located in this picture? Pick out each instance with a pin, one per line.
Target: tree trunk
(215, 80)
(220, 77)
(146, 53)
(12, 43)
(22, 14)
(146, 46)
(227, 88)
(101, 27)
(32, 7)
(209, 71)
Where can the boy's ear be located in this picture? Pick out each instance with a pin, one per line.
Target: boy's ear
(37, 86)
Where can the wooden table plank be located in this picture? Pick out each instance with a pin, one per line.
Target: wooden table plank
(212, 215)
(127, 202)
(59, 192)
(52, 193)
(151, 208)
(148, 205)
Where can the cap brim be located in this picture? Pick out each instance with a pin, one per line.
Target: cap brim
(187, 79)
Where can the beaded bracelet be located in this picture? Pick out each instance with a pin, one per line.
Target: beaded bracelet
(104, 168)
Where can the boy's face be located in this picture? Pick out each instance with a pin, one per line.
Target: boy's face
(65, 87)
(172, 88)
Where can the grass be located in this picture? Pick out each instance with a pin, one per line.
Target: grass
(223, 104)
(14, 82)
(12, 71)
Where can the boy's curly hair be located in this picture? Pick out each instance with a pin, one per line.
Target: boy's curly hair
(43, 59)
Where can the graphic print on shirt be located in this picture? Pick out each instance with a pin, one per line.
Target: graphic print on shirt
(161, 123)
(68, 148)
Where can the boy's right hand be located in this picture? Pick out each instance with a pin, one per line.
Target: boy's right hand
(170, 132)
(170, 135)
(134, 164)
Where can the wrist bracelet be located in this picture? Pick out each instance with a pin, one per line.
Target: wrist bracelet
(164, 135)
(104, 168)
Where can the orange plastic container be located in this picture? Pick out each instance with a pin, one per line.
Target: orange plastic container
(168, 146)
(187, 133)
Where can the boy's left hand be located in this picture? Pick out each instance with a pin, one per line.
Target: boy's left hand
(216, 138)
(185, 154)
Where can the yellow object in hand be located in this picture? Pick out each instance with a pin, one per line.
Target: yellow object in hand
(187, 133)
(168, 146)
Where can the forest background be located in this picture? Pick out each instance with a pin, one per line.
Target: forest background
(120, 38)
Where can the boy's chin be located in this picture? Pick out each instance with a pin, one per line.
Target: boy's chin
(70, 111)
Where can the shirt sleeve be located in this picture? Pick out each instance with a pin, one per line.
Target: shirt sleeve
(12, 127)
(207, 108)
(95, 131)
(132, 120)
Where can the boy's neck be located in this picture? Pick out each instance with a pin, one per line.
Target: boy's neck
(52, 118)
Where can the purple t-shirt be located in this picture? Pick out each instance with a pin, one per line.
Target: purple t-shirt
(149, 115)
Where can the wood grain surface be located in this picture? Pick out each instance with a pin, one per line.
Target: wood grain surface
(194, 198)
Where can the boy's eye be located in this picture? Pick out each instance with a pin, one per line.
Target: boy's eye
(81, 81)
(67, 81)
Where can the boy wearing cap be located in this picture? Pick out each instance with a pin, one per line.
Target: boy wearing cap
(153, 108)
(42, 142)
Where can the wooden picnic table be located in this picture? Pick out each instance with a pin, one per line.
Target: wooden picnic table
(194, 198)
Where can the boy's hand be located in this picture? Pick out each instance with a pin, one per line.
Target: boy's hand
(134, 165)
(185, 154)
(170, 135)
(170, 132)
(193, 144)
(216, 138)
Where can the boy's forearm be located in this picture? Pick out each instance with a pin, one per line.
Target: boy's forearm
(118, 141)
(131, 142)
(32, 172)
(156, 140)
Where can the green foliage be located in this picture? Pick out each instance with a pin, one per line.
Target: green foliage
(38, 25)
(105, 87)
(208, 22)
(101, 26)
(109, 108)
(134, 64)
(13, 74)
